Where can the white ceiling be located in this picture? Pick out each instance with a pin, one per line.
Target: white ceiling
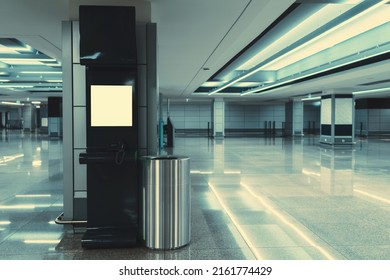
(195, 39)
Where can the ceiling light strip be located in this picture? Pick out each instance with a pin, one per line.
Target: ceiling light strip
(313, 41)
(311, 98)
(41, 72)
(261, 89)
(371, 90)
(32, 195)
(234, 81)
(12, 103)
(41, 241)
(17, 207)
(324, 13)
(260, 67)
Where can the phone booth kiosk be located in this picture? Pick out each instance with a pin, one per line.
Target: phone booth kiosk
(108, 50)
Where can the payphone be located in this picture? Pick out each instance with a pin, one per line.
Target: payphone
(108, 50)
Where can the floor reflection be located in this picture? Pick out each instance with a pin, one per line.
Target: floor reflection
(267, 198)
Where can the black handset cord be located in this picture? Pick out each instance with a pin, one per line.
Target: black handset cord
(120, 155)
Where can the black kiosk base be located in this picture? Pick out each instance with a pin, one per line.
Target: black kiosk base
(95, 238)
(108, 50)
(112, 201)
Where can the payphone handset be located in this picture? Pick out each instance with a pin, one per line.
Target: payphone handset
(119, 149)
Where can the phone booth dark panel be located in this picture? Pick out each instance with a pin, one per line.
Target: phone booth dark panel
(117, 184)
(108, 49)
(107, 35)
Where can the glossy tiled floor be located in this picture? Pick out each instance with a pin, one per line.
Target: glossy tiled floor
(251, 198)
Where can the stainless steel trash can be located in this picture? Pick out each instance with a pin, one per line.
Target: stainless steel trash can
(167, 201)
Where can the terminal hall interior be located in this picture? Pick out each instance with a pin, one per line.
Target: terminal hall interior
(194, 130)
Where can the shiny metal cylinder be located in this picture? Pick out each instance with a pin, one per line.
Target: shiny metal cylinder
(167, 201)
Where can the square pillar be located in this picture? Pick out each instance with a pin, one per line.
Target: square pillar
(219, 118)
(337, 119)
(294, 118)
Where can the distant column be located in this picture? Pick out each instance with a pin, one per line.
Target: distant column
(55, 116)
(219, 118)
(337, 119)
(294, 118)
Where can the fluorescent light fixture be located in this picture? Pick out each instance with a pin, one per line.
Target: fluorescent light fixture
(17, 207)
(372, 90)
(16, 61)
(42, 241)
(35, 102)
(248, 84)
(4, 223)
(206, 172)
(234, 81)
(259, 89)
(308, 25)
(14, 86)
(310, 42)
(358, 24)
(232, 172)
(32, 195)
(201, 172)
(12, 103)
(57, 205)
(311, 98)
(212, 83)
(4, 80)
(54, 81)
(7, 50)
(25, 48)
(41, 72)
(54, 63)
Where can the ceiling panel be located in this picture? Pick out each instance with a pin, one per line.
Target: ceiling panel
(312, 40)
(202, 44)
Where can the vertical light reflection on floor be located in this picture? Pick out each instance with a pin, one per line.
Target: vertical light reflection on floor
(373, 196)
(244, 235)
(283, 219)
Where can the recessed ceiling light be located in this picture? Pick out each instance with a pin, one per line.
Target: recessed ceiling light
(41, 72)
(372, 90)
(15, 61)
(12, 103)
(7, 50)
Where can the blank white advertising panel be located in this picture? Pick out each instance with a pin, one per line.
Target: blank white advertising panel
(326, 111)
(111, 105)
(343, 112)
